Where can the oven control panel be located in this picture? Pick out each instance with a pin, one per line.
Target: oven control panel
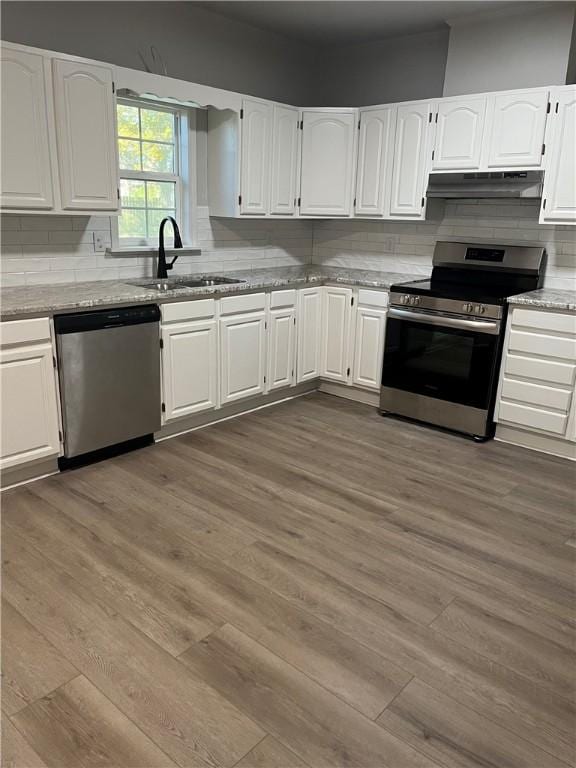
(454, 306)
(411, 301)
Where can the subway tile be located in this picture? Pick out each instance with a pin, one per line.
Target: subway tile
(46, 222)
(9, 222)
(42, 278)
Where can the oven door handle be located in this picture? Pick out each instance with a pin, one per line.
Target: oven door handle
(482, 326)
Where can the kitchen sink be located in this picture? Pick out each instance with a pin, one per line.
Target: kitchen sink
(200, 282)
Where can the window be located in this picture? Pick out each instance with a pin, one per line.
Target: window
(150, 182)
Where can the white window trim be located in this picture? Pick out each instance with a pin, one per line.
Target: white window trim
(186, 183)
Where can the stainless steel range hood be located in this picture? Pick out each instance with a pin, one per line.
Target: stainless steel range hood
(508, 184)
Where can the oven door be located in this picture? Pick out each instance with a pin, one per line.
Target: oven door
(441, 356)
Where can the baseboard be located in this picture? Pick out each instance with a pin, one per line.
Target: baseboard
(350, 393)
(535, 442)
(181, 426)
(27, 473)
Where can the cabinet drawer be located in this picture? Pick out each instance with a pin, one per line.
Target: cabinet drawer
(251, 302)
(544, 321)
(282, 299)
(536, 394)
(547, 346)
(188, 310)
(549, 371)
(24, 331)
(367, 298)
(534, 418)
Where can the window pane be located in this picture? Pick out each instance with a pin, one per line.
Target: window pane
(129, 154)
(160, 194)
(128, 124)
(157, 157)
(157, 126)
(132, 223)
(154, 219)
(132, 193)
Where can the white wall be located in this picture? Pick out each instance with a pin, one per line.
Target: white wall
(408, 247)
(519, 49)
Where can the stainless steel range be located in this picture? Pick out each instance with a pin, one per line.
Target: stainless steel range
(444, 335)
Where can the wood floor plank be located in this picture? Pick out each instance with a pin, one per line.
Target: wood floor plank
(187, 719)
(76, 726)
(507, 643)
(16, 752)
(270, 753)
(291, 707)
(456, 736)
(31, 666)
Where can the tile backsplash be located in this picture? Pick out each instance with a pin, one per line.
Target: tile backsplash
(408, 247)
(52, 249)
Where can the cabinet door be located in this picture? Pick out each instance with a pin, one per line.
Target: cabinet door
(328, 150)
(26, 180)
(409, 175)
(309, 326)
(369, 347)
(242, 356)
(459, 131)
(29, 405)
(189, 368)
(86, 135)
(281, 348)
(559, 194)
(374, 161)
(518, 121)
(285, 157)
(255, 157)
(336, 312)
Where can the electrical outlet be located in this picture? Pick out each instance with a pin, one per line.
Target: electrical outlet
(99, 241)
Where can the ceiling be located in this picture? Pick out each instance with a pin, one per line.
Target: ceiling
(329, 22)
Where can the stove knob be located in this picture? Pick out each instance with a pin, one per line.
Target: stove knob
(480, 309)
(405, 299)
(416, 301)
(468, 307)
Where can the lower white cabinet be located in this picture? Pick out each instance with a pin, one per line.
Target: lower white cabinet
(281, 348)
(309, 333)
(30, 421)
(335, 349)
(242, 356)
(369, 344)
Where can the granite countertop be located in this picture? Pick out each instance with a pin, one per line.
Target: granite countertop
(546, 298)
(26, 301)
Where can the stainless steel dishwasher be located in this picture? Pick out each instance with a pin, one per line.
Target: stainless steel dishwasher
(109, 369)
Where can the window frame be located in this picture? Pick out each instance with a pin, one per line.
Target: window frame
(184, 177)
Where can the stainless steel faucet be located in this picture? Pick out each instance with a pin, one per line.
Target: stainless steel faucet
(163, 266)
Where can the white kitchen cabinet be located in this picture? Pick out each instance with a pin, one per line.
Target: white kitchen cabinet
(411, 153)
(309, 326)
(281, 348)
(459, 124)
(242, 356)
(29, 395)
(86, 135)
(328, 162)
(369, 339)
(517, 120)
(559, 193)
(26, 175)
(285, 162)
(375, 152)
(335, 349)
(256, 126)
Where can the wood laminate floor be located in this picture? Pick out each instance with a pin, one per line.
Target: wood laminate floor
(308, 585)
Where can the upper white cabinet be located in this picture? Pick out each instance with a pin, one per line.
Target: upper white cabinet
(284, 175)
(29, 396)
(256, 122)
(26, 176)
(375, 152)
(309, 333)
(328, 162)
(459, 126)
(335, 349)
(517, 124)
(559, 194)
(86, 135)
(411, 153)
